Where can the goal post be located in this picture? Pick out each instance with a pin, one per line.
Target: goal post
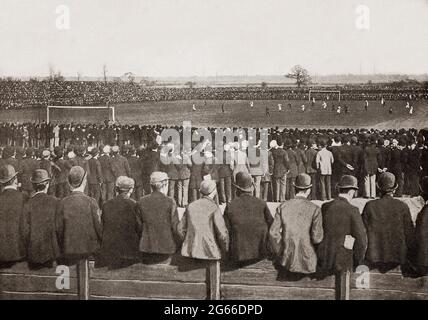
(80, 113)
(323, 91)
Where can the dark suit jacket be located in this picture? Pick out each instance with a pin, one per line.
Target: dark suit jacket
(158, 215)
(293, 163)
(120, 166)
(106, 169)
(311, 166)
(396, 161)
(28, 166)
(81, 162)
(40, 228)
(340, 218)
(421, 238)
(280, 162)
(151, 163)
(371, 159)
(248, 220)
(136, 166)
(121, 230)
(78, 225)
(390, 230)
(96, 175)
(12, 247)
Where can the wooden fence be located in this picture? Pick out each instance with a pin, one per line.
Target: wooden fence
(182, 278)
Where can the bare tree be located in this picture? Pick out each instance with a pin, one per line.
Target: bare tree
(300, 74)
(79, 75)
(105, 72)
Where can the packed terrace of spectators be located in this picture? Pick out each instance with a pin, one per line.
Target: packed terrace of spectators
(21, 94)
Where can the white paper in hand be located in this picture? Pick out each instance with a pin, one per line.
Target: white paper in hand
(349, 242)
(207, 177)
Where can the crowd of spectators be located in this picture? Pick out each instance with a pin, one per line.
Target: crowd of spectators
(21, 94)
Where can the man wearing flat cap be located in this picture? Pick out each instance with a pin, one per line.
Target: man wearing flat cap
(248, 219)
(121, 230)
(12, 246)
(345, 240)
(296, 229)
(203, 228)
(39, 226)
(78, 221)
(158, 215)
(421, 233)
(389, 227)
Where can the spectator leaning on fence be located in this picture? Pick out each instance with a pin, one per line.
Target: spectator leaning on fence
(345, 240)
(203, 227)
(389, 227)
(297, 228)
(78, 221)
(121, 227)
(39, 223)
(158, 216)
(12, 246)
(248, 220)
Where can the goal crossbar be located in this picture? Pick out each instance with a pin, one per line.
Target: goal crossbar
(79, 107)
(323, 91)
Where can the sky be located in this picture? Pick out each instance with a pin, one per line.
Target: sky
(169, 38)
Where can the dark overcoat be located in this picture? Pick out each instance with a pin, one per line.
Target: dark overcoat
(79, 225)
(121, 230)
(158, 216)
(12, 247)
(40, 228)
(248, 220)
(340, 218)
(389, 229)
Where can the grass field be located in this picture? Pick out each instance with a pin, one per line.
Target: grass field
(238, 113)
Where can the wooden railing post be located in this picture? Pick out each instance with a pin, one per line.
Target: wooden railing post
(213, 280)
(342, 285)
(83, 279)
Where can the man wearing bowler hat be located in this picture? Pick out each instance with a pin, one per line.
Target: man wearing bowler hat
(296, 229)
(78, 221)
(345, 240)
(121, 230)
(203, 228)
(158, 215)
(421, 233)
(39, 226)
(12, 247)
(248, 220)
(389, 227)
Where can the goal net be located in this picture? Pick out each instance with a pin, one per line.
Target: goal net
(324, 95)
(81, 114)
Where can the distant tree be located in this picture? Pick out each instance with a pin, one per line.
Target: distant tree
(130, 76)
(300, 74)
(263, 85)
(79, 75)
(190, 84)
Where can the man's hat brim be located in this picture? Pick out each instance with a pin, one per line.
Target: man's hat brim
(393, 188)
(247, 189)
(3, 181)
(302, 187)
(39, 181)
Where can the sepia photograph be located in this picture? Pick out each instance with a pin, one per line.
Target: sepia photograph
(194, 150)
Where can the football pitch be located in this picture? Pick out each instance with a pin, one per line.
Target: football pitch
(240, 113)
